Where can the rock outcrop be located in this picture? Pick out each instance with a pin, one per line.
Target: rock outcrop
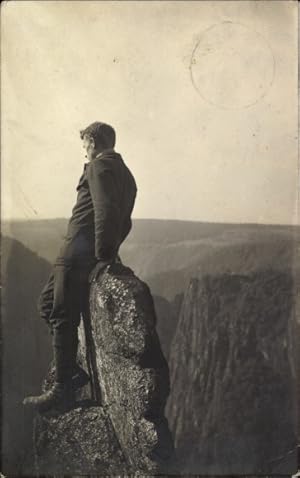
(232, 364)
(80, 441)
(118, 424)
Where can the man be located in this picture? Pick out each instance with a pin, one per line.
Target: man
(100, 221)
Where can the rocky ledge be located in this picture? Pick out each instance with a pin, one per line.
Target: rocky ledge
(118, 424)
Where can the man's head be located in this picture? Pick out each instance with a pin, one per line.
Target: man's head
(96, 138)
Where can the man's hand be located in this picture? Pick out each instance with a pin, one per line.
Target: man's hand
(99, 269)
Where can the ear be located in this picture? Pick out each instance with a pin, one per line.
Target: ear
(92, 143)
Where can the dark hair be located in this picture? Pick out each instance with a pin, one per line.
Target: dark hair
(103, 134)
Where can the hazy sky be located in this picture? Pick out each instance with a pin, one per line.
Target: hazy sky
(203, 96)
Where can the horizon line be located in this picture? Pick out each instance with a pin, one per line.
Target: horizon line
(19, 220)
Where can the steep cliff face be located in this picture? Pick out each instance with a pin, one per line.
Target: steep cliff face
(25, 349)
(123, 429)
(233, 402)
(167, 314)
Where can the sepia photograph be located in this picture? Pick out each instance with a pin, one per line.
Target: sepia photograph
(150, 255)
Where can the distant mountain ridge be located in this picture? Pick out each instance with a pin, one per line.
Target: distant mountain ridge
(167, 253)
(44, 236)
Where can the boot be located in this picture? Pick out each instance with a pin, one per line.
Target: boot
(61, 395)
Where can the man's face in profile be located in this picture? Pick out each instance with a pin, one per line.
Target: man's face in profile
(89, 146)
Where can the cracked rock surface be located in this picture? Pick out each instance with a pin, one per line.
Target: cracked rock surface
(118, 424)
(82, 439)
(132, 370)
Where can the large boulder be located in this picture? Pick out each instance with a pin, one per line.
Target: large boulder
(129, 370)
(118, 424)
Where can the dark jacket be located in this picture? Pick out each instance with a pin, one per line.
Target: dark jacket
(101, 217)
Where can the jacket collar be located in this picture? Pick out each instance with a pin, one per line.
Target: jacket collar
(108, 150)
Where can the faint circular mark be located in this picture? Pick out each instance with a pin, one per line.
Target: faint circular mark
(232, 66)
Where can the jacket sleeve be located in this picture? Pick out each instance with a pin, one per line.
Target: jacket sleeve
(106, 210)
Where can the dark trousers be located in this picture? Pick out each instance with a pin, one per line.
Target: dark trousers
(65, 296)
(62, 301)
(66, 293)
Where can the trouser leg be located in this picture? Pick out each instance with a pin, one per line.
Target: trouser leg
(63, 322)
(61, 302)
(45, 301)
(65, 290)
(71, 289)
(48, 307)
